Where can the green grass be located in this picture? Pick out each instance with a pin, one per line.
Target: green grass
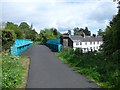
(0, 70)
(25, 63)
(94, 66)
(14, 71)
(36, 43)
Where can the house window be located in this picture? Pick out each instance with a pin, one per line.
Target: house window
(93, 42)
(91, 49)
(77, 43)
(97, 47)
(85, 43)
(80, 43)
(90, 43)
(98, 42)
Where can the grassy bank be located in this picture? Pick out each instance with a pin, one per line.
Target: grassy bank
(0, 70)
(36, 43)
(14, 71)
(94, 66)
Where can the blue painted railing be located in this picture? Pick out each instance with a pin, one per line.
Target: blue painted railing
(54, 45)
(19, 46)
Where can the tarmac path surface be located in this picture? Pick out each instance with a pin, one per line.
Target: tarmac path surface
(47, 71)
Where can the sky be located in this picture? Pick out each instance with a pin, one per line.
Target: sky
(61, 14)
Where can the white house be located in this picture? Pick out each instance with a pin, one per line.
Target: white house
(86, 43)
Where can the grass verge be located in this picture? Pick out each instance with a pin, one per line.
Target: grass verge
(0, 70)
(14, 71)
(25, 63)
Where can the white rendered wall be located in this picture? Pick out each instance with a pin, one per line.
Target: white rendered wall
(88, 46)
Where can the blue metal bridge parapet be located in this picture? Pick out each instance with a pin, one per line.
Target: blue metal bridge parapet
(54, 44)
(19, 46)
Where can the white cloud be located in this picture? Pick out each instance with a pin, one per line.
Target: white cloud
(0, 11)
(62, 14)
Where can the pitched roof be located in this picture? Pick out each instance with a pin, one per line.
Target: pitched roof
(65, 36)
(86, 39)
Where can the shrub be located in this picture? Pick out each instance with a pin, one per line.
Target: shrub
(0, 40)
(94, 51)
(77, 51)
(71, 51)
(8, 38)
(11, 71)
(116, 56)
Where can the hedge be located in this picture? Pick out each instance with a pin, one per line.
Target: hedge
(8, 38)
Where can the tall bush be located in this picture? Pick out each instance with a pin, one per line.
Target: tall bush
(8, 38)
(71, 51)
(12, 71)
(77, 51)
(111, 45)
(19, 33)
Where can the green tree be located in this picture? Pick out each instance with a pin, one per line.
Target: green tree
(32, 35)
(54, 30)
(115, 0)
(76, 31)
(112, 35)
(100, 32)
(25, 28)
(29, 32)
(94, 35)
(24, 25)
(69, 32)
(11, 26)
(48, 34)
(80, 31)
(87, 32)
(8, 38)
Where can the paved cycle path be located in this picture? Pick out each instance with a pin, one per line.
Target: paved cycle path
(47, 71)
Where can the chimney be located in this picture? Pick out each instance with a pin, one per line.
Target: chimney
(69, 35)
(83, 34)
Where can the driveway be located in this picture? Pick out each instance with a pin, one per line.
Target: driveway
(47, 71)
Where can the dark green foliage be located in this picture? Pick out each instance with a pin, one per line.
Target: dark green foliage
(100, 32)
(54, 30)
(76, 30)
(48, 34)
(80, 31)
(115, 0)
(71, 51)
(8, 38)
(77, 51)
(86, 31)
(0, 40)
(24, 25)
(116, 56)
(29, 32)
(69, 32)
(12, 71)
(19, 33)
(94, 35)
(112, 38)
